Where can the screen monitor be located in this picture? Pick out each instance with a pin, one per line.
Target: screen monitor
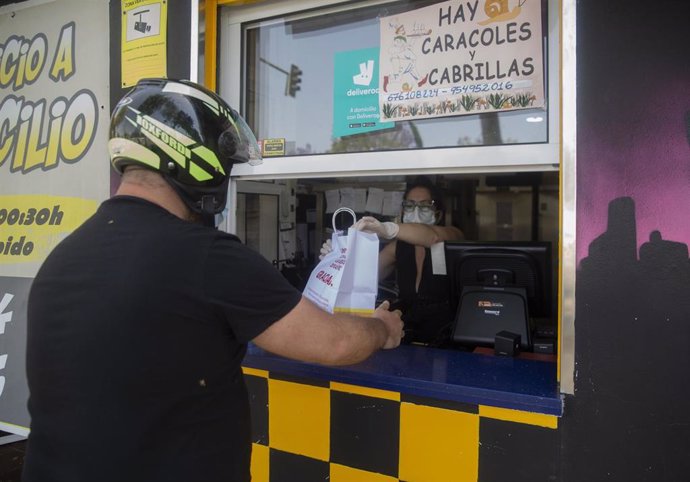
(498, 286)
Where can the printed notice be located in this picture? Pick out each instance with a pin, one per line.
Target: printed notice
(144, 30)
(374, 201)
(273, 147)
(356, 93)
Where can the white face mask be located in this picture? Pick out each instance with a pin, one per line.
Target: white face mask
(417, 216)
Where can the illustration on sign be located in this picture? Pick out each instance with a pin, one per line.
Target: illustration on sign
(356, 93)
(461, 57)
(143, 22)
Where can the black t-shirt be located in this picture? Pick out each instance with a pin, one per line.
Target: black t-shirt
(137, 325)
(426, 311)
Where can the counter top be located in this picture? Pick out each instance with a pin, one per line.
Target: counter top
(514, 383)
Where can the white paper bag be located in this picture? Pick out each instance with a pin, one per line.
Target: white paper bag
(346, 279)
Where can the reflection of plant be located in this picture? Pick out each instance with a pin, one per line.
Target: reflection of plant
(523, 100)
(389, 110)
(466, 141)
(467, 102)
(497, 100)
(403, 135)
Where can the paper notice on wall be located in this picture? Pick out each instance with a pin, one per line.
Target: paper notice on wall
(392, 202)
(144, 40)
(360, 200)
(347, 198)
(438, 258)
(332, 200)
(374, 201)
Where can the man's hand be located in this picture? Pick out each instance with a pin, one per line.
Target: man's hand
(393, 323)
(370, 224)
(326, 248)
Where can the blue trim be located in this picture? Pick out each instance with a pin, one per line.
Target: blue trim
(514, 383)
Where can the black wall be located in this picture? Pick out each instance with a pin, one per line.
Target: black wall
(629, 419)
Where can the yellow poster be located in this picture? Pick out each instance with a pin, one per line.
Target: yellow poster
(144, 39)
(33, 224)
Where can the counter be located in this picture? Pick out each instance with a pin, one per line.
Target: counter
(449, 375)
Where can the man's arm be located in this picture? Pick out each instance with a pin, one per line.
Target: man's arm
(309, 334)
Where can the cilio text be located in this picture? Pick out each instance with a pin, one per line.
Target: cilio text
(33, 134)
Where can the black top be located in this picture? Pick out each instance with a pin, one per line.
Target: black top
(137, 325)
(426, 311)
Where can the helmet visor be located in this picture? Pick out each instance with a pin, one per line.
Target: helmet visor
(248, 151)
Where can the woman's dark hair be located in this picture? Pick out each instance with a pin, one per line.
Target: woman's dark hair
(436, 194)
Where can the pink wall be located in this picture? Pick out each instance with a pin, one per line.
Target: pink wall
(635, 143)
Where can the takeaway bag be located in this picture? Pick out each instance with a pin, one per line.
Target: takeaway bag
(346, 279)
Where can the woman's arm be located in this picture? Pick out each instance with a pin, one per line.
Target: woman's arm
(386, 260)
(426, 235)
(412, 233)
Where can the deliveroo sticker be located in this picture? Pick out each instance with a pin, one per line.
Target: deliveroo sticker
(356, 93)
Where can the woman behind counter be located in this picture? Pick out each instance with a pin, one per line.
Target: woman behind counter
(423, 296)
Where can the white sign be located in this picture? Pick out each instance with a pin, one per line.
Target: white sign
(461, 57)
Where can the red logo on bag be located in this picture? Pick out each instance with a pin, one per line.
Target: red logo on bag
(338, 264)
(325, 277)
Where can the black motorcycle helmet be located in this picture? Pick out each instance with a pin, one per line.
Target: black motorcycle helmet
(185, 132)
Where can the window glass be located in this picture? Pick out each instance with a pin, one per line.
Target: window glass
(257, 225)
(308, 46)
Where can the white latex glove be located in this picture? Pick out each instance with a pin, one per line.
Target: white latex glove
(386, 230)
(326, 248)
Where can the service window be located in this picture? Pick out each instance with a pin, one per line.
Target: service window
(501, 211)
(369, 94)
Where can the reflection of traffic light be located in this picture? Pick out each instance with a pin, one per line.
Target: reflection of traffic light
(294, 79)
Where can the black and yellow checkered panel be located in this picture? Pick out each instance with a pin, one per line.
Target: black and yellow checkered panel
(305, 430)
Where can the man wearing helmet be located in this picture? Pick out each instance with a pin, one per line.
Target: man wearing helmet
(139, 320)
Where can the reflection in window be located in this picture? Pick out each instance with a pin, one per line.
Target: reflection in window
(257, 223)
(310, 43)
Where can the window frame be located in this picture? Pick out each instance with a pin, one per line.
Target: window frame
(557, 154)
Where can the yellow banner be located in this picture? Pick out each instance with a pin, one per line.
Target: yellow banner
(31, 225)
(144, 40)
